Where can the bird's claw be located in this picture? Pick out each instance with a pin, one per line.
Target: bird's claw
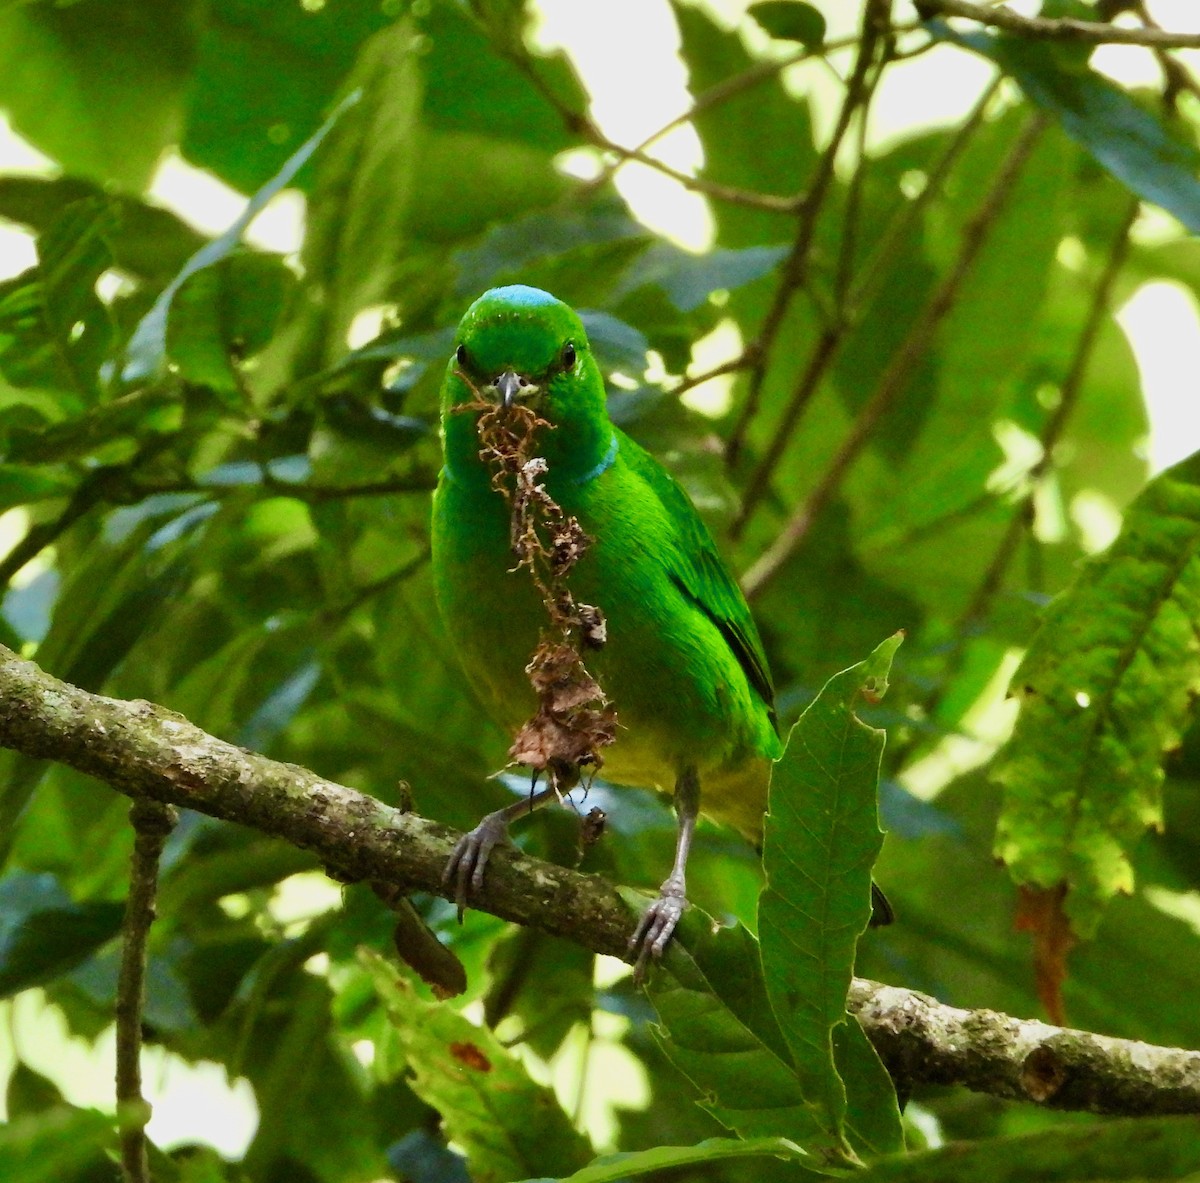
(469, 858)
(656, 927)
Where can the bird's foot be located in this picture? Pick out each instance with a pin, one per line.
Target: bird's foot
(657, 925)
(470, 856)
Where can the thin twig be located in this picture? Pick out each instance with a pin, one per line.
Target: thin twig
(794, 269)
(899, 370)
(1057, 28)
(144, 750)
(861, 298)
(152, 823)
(726, 367)
(749, 198)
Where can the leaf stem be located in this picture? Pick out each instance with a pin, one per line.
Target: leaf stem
(152, 823)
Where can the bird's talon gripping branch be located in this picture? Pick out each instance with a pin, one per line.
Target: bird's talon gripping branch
(469, 858)
(657, 926)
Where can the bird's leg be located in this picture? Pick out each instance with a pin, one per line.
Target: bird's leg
(660, 918)
(469, 857)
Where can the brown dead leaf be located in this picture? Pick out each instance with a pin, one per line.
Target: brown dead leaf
(1040, 913)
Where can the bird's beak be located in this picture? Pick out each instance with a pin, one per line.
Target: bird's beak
(508, 384)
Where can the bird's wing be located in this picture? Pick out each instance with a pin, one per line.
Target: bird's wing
(697, 569)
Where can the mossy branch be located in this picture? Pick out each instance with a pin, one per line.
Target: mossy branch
(152, 754)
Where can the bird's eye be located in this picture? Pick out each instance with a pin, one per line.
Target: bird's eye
(460, 355)
(568, 356)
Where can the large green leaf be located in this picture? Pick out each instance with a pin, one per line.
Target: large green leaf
(506, 1123)
(821, 839)
(100, 87)
(363, 180)
(146, 349)
(44, 933)
(1106, 689)
(719, 1031)
(1125, 138)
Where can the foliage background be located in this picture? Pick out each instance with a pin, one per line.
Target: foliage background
(227, 513)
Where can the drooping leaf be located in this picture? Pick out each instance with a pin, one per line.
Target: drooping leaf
(363, 181)
(44, 933)
(1105, 688)
(1126, 139)
(719, 1031)
(821, 839)
(506, 1123)
(146, 349)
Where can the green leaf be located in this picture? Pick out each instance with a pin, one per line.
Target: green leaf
(1127, 1149)
(147, 346)
(690, 280)
(20, 485)
(363, 181)
(790, 20)
(264, 75)
(28, 1091)
(54, 331)
(507, 1125)
(224, 313)
(147, 241)
(1106, 689)
(44, 933)
(821, 839)
(719, 1031)
(612, 1168)
(1124, 138)
(913, 507)
(99, 87)
(55, 1146)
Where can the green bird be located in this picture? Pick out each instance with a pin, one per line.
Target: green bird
(683, 663)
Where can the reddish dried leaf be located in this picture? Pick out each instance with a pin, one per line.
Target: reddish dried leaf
(1040, 913)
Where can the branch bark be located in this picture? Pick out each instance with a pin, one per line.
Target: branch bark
(152, 754)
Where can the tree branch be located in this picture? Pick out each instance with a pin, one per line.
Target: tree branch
(1058, 28)
(924, 1041)
(152, 822)
(152, 754)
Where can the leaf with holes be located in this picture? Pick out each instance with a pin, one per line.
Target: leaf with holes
(508, 1125)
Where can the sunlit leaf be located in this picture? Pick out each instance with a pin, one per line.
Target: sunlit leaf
(1106, 689)
(506, 1124)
